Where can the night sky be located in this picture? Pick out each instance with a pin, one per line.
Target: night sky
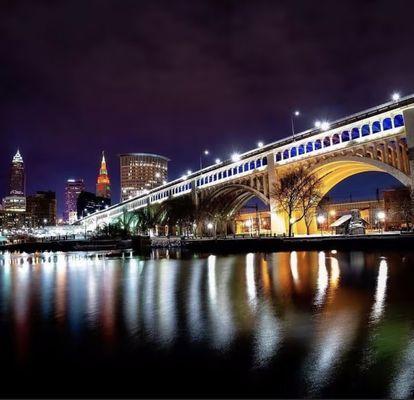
(175, 77)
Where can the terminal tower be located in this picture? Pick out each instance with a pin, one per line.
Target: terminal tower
(103, 184)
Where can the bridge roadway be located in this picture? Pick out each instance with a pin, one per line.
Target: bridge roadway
(378, 139)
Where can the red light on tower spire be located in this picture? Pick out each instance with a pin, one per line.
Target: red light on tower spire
(103, 183)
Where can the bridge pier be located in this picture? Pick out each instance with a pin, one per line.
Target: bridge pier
(409, 132)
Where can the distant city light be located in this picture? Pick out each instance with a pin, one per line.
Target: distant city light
(164, 182)
(206, 152)
(209, 225)
(248, 223)
(184, 177)
(292, 220)
(157, 174)
(396, 96)
(217, 161)
(296, 113)
(259, 144)
(235, 157)
(318, 124)
(189, 172)
(332, 212)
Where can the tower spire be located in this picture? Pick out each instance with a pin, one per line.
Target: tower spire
(103, 183)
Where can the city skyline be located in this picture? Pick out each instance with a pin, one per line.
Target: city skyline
(216, 94)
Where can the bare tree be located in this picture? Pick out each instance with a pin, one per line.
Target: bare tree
(298, 192)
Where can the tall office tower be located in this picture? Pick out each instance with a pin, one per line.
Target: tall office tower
(103, 183)
(42, 208)
(17, 176)
(16, 200)
(72, 190)
(141, 172)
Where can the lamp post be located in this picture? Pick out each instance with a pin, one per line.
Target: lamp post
(321, 219)
(204, 153)
(294, 115)
(381, 220)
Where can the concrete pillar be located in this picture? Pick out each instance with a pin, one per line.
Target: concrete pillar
(400, 164)
(409, 132)
(277, 220)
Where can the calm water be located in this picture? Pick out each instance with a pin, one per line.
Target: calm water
(280, 324)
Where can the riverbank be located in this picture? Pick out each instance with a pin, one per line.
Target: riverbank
(137, 243)
(226, 245)
(252, 244)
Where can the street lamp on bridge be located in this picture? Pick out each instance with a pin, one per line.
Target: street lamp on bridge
(294, 115)
(204, 153)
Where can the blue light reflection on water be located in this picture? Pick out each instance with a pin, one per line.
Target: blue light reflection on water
(325, 317)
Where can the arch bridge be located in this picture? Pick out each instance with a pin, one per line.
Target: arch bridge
(378, 139)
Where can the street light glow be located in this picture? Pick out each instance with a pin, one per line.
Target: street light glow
(318, 124)
(209, 225)
(235, 157)
(296, 113)
(396, 96)
(381, 215)
(218, 161)
(325, 125)
(206, 152)
(189, 172)
(320, 219)
(259, 144)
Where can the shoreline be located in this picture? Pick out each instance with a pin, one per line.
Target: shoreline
(238, 244)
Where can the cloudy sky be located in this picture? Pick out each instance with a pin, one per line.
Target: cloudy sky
(175, 77)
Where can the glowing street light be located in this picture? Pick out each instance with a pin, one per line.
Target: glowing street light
(189, 172)
(235, 157)
(321, 220)
(205, 153)
(217, 161)
(210, 226)
(395, 96)
(260, 144)
(325, 125)
(317, 124)
(381, 215)
(184, 177)
(294, 115)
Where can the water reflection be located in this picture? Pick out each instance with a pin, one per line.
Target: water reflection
(313, 314)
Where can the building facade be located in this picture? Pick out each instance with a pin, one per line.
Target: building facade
(42, 207)
(72, 190)
(87, 203)
(17, 186)
(141, 172)
(103, 183)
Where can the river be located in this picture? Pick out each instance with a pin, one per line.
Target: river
(298, 324)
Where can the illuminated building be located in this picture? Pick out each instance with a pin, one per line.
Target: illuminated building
(42, 207)
(17, 176)
(16, 200)
(141, 172)
(72, 190)
(103, 183)
(88, 203)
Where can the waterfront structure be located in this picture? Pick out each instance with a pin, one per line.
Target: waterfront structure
(141, 172)
(42, 207)
(397, 209)
(88, 203)
(103, 183)
(72, 190)
(378, 139)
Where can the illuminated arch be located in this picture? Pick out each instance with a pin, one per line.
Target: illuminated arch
(236, 195)
(337, 169)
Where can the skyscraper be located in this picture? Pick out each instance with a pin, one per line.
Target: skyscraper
(16, 200)
(72, 190)
(103, 183)
(17, 176)
(42, 208)
(141, 172)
